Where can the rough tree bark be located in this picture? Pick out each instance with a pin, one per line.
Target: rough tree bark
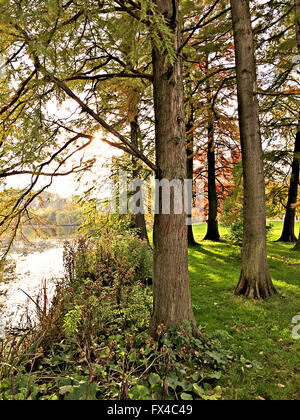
(190, 169)
(255, 280)
(297, 247)
(297, 7)
(171, 289)
(288, 233)
(139, 219)
(212, 233)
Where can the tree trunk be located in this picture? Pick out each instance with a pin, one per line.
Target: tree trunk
(139, 219)
(297, 5)
(171, 289)
(255, 280)
(297, 247)
(190, 170)
(212, 223)
(288, 233)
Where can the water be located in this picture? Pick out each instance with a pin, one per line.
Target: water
(30, 266)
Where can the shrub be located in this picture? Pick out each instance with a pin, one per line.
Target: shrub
(236, 232)
(111, 257)
(93, 343)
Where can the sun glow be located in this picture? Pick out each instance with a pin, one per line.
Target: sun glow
(100, 149)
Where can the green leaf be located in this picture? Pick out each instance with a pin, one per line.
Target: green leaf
(139, 392)
(215, 395)
(198, 390)
(186, 397)
(65, 389)
(217, 356)
(154, 379)
(214, 375)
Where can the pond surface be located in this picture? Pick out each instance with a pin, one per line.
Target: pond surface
(30, 267)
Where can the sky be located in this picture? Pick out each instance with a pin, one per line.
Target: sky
(67, 186)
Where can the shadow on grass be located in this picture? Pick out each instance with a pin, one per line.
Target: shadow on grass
(260, 330)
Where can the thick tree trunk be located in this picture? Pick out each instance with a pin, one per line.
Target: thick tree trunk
(212, 233)
(255, 280)
(297, 6)
(171, 289)
(139, 219)
(212, 222)
(288, 233)
(190, 171)
(297, 247)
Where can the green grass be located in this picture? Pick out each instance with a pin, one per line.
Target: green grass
(261, 331)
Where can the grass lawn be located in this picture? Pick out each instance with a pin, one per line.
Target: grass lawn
(261, 331)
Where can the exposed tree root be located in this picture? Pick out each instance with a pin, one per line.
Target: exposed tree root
(291, 238)
(297, 247)
(259, 288)
(214, 237)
